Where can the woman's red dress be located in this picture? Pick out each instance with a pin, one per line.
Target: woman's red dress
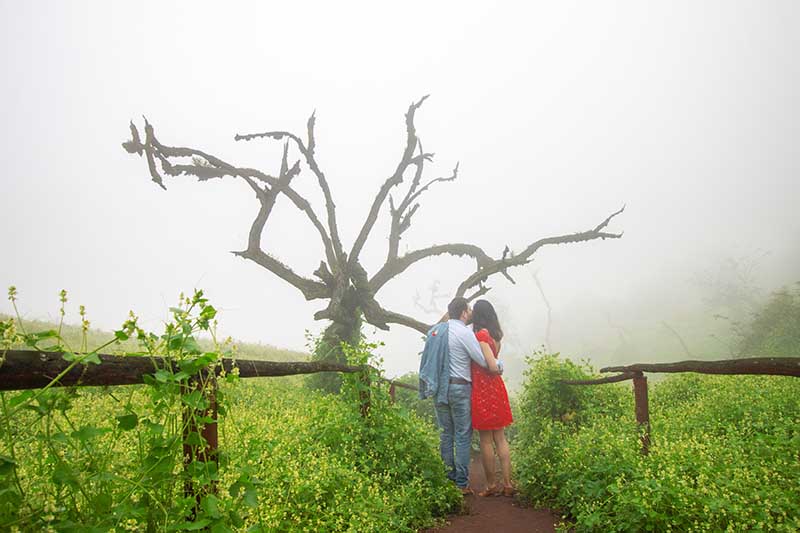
(490, 407)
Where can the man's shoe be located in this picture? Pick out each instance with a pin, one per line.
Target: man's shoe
(466, 491)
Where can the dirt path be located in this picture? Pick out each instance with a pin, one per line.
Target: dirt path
(496, 513)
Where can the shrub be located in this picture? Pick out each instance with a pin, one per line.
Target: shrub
(723, 454)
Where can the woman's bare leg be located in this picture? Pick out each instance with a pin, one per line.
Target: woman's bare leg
(487, 457)
(503, 452)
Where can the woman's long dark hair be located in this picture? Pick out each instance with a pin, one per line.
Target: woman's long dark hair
(485, 317)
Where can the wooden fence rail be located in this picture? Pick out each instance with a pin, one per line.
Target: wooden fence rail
(769, 366)
(27, 369)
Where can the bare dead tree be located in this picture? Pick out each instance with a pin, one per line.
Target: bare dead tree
(341, 279)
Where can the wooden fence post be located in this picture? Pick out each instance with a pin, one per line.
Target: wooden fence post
(642, 409)
(192, 453)
(364, 394)
(392, 392)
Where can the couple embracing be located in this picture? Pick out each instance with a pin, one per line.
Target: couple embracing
(461, 371)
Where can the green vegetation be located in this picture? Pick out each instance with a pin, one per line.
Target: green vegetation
(723, 457)
(291, 459)
(410, 401)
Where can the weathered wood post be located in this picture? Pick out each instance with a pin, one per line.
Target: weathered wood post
(364, 393)
(192, 452)
(642, 409)
(392, 392)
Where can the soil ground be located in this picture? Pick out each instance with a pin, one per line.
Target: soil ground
(496, 513)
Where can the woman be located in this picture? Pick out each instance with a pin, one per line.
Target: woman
(491, 411)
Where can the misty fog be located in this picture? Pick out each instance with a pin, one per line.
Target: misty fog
(557, 113)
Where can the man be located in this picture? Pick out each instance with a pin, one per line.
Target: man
(445, 374)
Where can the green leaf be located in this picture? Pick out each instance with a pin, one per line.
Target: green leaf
(121, 335)
(60, 437)
(64, 475)
(175, 342)
(221, 527)
(191, 346)
(32, 338)
(7, 465)
(128, 422)
(91, 358)
(250, 497)
(154, 427)
(53, 348)
(102, 503)
(162, 376)
(87, 433)
(208, 313)
(235, 488)
(20, 398)
(210, 505)
(195, 400)
(235, 518)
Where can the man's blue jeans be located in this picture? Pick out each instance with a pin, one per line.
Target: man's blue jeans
(455, 425)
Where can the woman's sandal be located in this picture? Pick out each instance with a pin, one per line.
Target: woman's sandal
(509, 491)
(491, 491)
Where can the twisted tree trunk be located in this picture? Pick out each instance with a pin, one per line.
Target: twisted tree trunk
(344, 329)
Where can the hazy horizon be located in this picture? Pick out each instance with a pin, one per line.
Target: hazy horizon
(557, 114)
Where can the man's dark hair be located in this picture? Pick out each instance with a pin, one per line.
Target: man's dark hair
(456, 307)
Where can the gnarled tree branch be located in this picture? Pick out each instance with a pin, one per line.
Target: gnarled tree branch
(397, 266)
(500, 265)
(381, 318)
(395, 179)
(308, 154)
(267, 196)
(206, 166)
(402, 214)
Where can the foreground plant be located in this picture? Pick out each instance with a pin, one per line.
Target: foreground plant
(113, 458)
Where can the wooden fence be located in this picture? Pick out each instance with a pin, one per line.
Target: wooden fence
(771, 366)
(27, 369)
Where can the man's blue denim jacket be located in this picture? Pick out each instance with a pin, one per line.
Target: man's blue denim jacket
(434, 368)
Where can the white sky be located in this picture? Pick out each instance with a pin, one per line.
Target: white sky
(558, 112)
